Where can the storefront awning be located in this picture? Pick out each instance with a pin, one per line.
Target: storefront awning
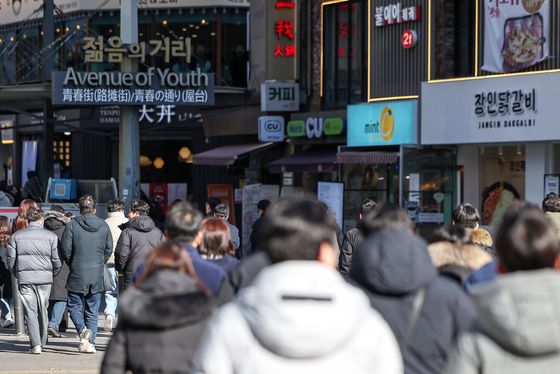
(311, 162)
(226, 155)
(367, 157)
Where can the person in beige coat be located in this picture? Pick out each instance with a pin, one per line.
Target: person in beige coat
(116, 218)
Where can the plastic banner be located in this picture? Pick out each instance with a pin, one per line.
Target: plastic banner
(516, 34)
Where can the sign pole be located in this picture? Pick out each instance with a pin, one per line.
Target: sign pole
(129, 132)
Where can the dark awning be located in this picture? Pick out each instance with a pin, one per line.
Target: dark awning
(367, 157)
(226, 155)
(311, 162)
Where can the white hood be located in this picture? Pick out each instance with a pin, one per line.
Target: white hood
(303, 309)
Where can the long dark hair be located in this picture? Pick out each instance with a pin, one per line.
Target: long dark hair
(5, 230)
(20, 222)
(169, 255)
(216, 238)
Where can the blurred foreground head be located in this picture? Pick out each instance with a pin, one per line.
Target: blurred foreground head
(526, 239)
(182, 223)
(384, 217)
(298, 229)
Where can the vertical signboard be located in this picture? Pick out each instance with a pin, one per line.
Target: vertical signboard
(282, 39)
(332, 194)
(398, 50)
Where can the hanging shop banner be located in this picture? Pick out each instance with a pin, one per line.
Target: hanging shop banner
(279, 97)
(271, 129)
(516, 34)
(323, 126)
(156, 86)
(523, 108)
(225, 193)
(385, 123)
(18, 10)
(281, 32)
(332, 194)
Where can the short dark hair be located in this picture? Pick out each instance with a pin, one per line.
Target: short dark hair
(87, 204)
(366, 206)
(222, 211)
(551, 203)
(454, 234)
(294, 228)
(526, 239)
(140, 206)
(386, 216)
(34, 215)
(115, 206)
(263, 205)
(467, 215)
(57, 208)
(213, 202)
(183, 222)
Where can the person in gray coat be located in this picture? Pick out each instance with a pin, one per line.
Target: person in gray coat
(518, 313)
(139, 236)
(32, 256)
(86, 246)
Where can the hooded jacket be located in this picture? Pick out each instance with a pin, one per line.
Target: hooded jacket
(289, 321)
(135, 242)
(392, 266)
(86, 246)
(56, 223)
(519, 319)
(32, 255)
(114, 220)
(159, 327)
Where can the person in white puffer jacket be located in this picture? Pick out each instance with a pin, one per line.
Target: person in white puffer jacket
(299, 315)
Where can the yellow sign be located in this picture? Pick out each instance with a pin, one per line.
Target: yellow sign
(387, 122)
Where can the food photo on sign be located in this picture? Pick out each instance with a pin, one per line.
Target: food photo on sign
(516, 34)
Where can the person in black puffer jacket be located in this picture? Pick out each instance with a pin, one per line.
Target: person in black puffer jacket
(139, 236)
(161, 318)
(354, 237)
(56, 221)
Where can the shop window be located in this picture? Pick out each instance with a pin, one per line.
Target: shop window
(344, 48)
(28, 50)
(454, 39)
(378, 182)
(8, 60)
(73, 55)
(61, 147)
(429, 179)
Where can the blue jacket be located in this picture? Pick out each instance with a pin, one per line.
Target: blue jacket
(485, 274)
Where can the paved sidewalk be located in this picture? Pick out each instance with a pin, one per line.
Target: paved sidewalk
(59, 356)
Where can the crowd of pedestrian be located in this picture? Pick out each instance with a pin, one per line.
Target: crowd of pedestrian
(383, 300)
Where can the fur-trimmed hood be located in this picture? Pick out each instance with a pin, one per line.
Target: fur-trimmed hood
(467, 256)
(482, 237)
(55, 220)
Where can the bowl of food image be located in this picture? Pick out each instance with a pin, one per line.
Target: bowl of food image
(496, 199)
(523, 42)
